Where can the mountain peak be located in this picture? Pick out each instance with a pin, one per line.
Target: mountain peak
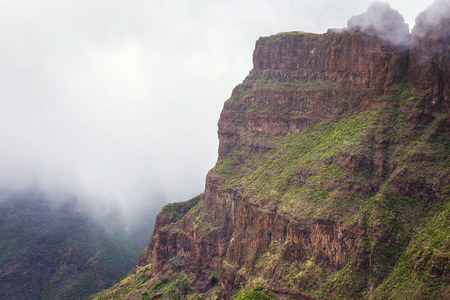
(383, 21)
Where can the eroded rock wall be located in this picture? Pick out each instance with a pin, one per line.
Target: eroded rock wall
(430, 56)
(315, 78)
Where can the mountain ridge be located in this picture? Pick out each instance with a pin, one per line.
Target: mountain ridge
(332, 180)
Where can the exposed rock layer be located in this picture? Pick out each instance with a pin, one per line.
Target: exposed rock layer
(350, 64)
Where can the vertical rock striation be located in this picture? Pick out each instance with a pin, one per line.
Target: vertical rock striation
(430, 57)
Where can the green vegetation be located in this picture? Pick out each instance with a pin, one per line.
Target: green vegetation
(256, 293)
(176, 289)
(417, 271)
(175, 211)
(140, 283)
(54, 251)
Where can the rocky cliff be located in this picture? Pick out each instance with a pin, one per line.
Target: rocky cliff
(332, 180)
(430, 58)
(302, 79)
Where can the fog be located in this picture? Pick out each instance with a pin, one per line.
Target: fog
(381, 20)
(116, 102)
(437, 11)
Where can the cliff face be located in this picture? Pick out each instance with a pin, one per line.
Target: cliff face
(332, 179)
(301, 79)
(430, 59)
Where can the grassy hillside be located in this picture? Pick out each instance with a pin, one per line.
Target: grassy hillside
(50, 251)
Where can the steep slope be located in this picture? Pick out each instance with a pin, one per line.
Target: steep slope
(55, 251)
(332, 180)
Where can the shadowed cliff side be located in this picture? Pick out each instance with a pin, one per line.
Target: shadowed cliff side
(430, 58)
(332, 180)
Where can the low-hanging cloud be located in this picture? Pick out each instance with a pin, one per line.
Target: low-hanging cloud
(117, 101)
(436, 12)
(383, 21)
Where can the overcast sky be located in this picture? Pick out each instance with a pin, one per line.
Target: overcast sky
(118, 100)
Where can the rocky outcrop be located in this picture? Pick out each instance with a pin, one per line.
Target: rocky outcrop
(353, 57)
(163, 243)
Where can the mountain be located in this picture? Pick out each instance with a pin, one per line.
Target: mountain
(55, 250)
(332, 180)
